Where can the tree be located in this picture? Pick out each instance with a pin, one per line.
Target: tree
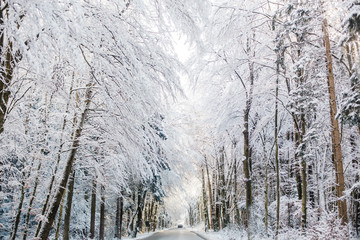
(335, 133)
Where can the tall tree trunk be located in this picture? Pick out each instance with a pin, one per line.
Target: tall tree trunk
(7, 65)
(277, 154)
(93, 210)
(57, 233)
(339, 171)
(132, 215)
(155, 218)
(296, 160)
(222, 188)
(21, 201)
(247, 160)
(216, 193)
(206, 213)
(246, 134)
(121, 215)
(235, 185)
(102, 214)
(32, 198)
(356, 207)
(303, 179)
(216, 211)
(266, 199)
(140, 208)
(210, 195)
(46, 227)
(151, 215)
(66, 231)
(118, 217)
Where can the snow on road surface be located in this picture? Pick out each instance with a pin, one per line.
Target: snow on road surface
(174, 234)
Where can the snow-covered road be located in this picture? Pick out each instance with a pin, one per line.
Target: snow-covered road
(175, 234)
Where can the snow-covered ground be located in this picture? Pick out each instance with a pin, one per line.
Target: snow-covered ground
(139, 236)
(143, 235)
(234, 233)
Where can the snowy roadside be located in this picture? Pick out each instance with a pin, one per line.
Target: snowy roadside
(236, 234)
(140, 236)
(224, 234)
(144, 235)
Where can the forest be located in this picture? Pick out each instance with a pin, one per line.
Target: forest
(109, 108)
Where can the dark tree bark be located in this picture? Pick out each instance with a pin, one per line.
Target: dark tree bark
(155, 218)
(93, 210)
(57, 233)
(277, 166)
(247, 159)
(335, 133)
(140, 208)
(102, 214)
(211, 226)
(206, 213)
(121, 216)
(7, 65)
(118, 218)
(19, 210)
(66, 231)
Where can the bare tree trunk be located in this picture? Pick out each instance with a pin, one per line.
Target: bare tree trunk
(32, 198)
(303, 178)
(19, 210)
(215, 200)
(247, 160)
(93, 210)
(222, 188)
(304, 197)
(151, 214)
(57, 233)
(216, 192)
(132, 215)
(66, 231)
(118, 217)
(121, 213)
(246, 134)
(191, 221)
(235, 185)
(155, 218)
(266, 199)
(46, 227)
(211, 226)
(140, 208)
(277, 154)
(102, 214)
(206, 214)
(340, 182)
(7, 65)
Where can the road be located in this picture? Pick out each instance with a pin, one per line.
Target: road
(174, 234)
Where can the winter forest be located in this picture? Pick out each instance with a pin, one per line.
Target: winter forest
(120, 117)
